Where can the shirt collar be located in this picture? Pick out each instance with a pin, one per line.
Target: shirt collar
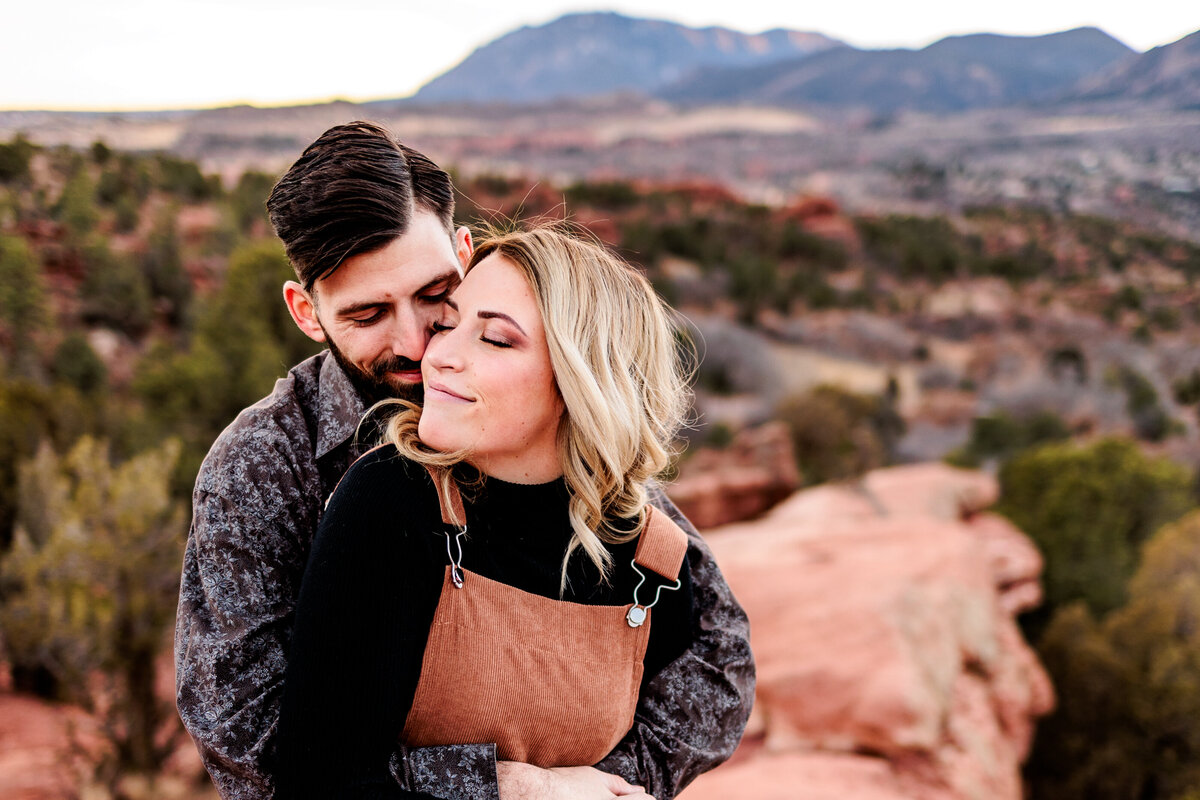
(340, 407)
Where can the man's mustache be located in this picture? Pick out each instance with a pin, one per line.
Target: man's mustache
(395, 363)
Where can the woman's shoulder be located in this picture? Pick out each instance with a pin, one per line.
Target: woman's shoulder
(383, 463)
(381, 477)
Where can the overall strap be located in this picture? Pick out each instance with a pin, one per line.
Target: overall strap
(449, 500)
(662, 545)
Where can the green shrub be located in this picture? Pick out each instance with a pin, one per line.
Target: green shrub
(1150, 419)
(184, 180)
(1187, 389)
(114, 292)
(248, 200)
(1089, 509)
(611, 195)
(162, 266)
(14, 159)
(1128, 686)
(838, 434)
(76, 364)
(1001, 436)
(23, 306)
(917, 247)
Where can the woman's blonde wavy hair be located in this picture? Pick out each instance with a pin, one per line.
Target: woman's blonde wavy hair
(618, 367)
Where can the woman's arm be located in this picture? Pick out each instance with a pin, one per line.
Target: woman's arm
(357, 645)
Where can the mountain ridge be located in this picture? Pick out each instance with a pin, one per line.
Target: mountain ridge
(605, 52)
(955, 73)
(1166, 76)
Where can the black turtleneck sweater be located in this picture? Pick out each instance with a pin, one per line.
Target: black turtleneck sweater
(368, 599)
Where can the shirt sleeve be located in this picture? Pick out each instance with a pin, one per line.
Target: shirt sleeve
(692, 714)
(240, 576)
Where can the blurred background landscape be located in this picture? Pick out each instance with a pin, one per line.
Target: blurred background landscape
(947, 407)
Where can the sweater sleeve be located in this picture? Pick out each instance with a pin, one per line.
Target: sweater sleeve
(357, 646)
(691, 715)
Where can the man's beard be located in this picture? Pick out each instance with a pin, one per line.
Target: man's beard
(373, 383)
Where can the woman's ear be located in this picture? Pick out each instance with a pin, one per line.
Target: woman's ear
(303, 308)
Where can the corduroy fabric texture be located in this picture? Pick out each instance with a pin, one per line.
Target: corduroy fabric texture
(552, 683)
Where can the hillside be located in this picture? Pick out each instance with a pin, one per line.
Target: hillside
(953, 74)
(140, 311)
(1165, 77)
(586, 54)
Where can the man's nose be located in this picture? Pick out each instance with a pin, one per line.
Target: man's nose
(410, 336)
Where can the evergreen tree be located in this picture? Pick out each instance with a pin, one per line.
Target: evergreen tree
(90, 587)
(23, 306)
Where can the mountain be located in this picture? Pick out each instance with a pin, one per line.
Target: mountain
(597, 53)
(952, 74)
(1167, 76)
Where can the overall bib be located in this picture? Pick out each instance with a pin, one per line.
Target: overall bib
(552, 683)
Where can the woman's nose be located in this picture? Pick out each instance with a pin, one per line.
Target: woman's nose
(444, 351)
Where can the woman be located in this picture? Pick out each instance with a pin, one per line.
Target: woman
(493, 572)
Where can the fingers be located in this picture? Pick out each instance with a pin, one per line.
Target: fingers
(623, 788)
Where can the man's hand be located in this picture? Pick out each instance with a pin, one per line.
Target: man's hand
(519, 781)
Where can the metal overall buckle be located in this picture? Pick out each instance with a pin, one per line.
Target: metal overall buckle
(456, 573)
(636, 616)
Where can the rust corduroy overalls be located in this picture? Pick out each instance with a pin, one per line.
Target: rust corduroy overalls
(552, 683)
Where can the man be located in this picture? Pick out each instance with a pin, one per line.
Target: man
(366, 223)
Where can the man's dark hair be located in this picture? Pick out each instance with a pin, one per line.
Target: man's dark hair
(353, 191)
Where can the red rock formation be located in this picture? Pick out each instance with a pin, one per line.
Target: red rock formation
(756, 471)
(889, 662)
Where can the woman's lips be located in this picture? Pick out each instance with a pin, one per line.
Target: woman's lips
(443, 393)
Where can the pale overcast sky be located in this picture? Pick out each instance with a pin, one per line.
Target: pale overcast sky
(192, 53)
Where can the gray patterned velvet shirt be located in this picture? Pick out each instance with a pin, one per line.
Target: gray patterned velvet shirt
(256, 505)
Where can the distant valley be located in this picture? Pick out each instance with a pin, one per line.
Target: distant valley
(1073, 121)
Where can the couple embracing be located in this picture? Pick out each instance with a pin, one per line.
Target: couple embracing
(433, 562)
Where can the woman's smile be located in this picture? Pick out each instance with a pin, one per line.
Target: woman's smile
(436, 391)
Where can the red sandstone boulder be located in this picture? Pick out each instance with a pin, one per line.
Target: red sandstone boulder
(889, 662)
(756, 471)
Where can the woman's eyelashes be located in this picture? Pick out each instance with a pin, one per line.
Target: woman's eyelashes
(487, 337)
(495, 342)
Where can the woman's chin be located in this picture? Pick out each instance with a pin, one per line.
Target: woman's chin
(433, 433)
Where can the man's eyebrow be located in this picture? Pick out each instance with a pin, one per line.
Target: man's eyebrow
(445, 277)
(358, 308)
(367, 305)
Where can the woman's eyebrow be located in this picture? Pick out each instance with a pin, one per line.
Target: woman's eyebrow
(501, 315)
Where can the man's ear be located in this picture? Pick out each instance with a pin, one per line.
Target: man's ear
(463, 246)
(303, 308)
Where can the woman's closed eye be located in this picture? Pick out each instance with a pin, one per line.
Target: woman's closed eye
(495, 341)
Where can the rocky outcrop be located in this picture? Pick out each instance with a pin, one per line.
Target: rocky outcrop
(756, 471)
(889, 661)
